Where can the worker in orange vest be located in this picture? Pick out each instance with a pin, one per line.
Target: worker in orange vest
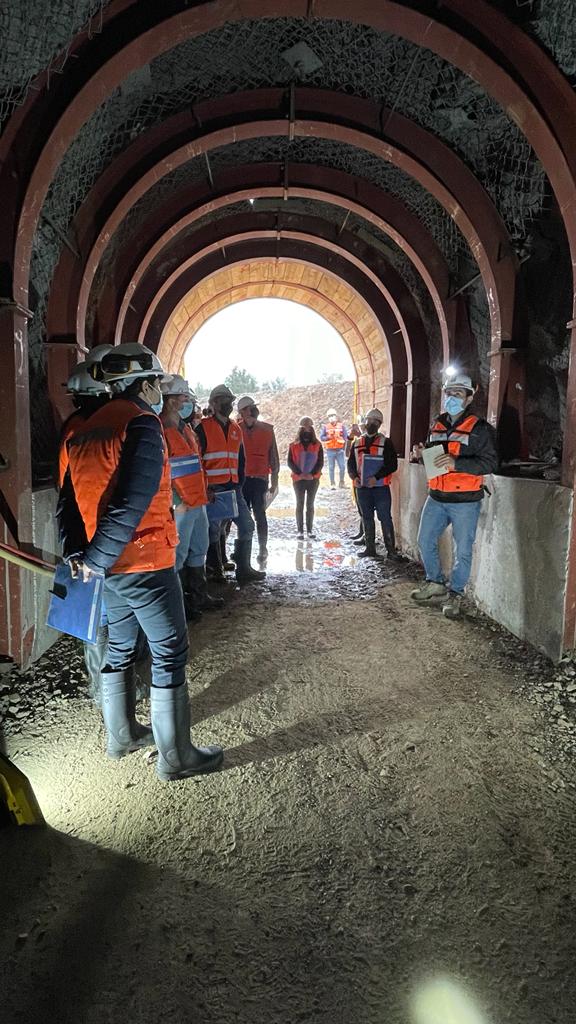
(334, 435)
(371, 463)
(116, 519)
(305, 460)
(455, 496)
(220, 440)
(189, 492)
(262, 467)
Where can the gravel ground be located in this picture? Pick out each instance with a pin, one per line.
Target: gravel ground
(393, 832)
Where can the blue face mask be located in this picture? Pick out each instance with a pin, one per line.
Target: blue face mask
(158, 406)
(454, 406)
(186, 410)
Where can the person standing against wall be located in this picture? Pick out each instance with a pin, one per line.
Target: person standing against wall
(333, 435)
(262, 467)
(455, 495)
(305, 460)
(371, 463)
(190, 496)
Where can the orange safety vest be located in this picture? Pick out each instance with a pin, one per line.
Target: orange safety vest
(69, 428)
(335, 439)
(94, 456)
(454, 438)
(301, 457)
(186, 468)
(222, 452)
(375, 449)
(258, 441)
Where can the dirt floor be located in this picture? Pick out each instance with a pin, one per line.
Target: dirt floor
(392, 839)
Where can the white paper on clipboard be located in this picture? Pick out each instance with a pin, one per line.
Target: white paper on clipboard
(270, 495)
(428, 456)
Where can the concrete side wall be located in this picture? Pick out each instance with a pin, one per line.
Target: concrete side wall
(520, 561)
(45, 539)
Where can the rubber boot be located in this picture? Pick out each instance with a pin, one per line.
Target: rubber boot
(193, 613)
(214, 562)
(390, 543)
(196, 578)
(244, 571)
(95, 658)
(370, 539)
(262, 547)
(178, 758)
(228, 564)
(359, 535)
(123, 733)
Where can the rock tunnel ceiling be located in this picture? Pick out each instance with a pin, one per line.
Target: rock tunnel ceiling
(248, 55)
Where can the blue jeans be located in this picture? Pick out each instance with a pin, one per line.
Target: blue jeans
(192, 526)
(244, 522)
(335, 458)
(375, 500)
(154, 602)
(436, 517)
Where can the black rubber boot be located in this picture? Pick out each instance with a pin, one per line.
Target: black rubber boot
(198, 587)
(244, 571)
(390, 543)
(370, 540)
(214, 563)
(359, 535)
(178, 758)
(124, 734)
(228, 564)
(193, 613)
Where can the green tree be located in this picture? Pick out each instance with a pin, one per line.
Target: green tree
(240, 381)
(276, 385)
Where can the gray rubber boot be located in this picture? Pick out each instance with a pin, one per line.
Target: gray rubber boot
(178, 758)
(244, 571)
(124, 734)
(370, 539)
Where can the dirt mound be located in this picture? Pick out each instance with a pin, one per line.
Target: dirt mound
(285, 409)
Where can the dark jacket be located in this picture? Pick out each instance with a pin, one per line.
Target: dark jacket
(137, 481)
(363, 444)
(480, 458)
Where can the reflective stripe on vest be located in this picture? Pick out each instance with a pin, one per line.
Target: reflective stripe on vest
(188, 478)
(257, 443)
(375, 451)
(334, 439)
(94, 456)
(451, 483)
(306, 459)
(222, 452)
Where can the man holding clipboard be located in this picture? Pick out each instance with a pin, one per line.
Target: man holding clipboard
(460, 450)
(371, 463)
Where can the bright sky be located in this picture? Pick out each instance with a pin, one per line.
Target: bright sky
(269, 338)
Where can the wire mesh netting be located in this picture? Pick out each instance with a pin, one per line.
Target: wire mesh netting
(48, 28)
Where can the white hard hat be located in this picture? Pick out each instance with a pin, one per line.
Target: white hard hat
(374, 414)
(221, 391)
(176, 385)
(96, 354)
(128, 362)
(459, 380)
(245, 403)
(81, 382)
(331, 412)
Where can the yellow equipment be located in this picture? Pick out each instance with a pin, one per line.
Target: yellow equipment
(18, 805)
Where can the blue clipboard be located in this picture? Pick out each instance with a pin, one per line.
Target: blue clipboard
(370, 465)
(307, 460)
(76, 607)
(224, 507)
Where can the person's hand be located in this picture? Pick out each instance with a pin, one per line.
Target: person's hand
(445, 461)
(372, 481)
(78, 568)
